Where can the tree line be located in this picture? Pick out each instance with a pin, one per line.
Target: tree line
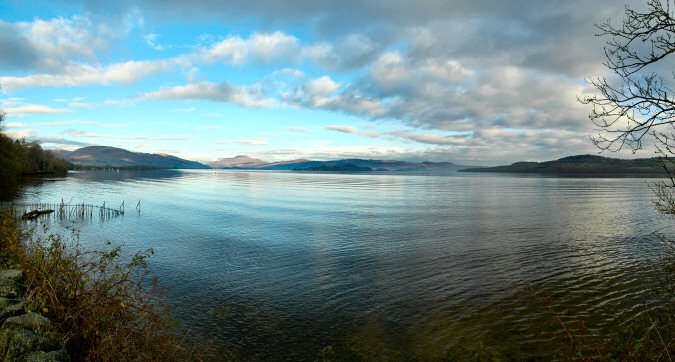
(20, 158)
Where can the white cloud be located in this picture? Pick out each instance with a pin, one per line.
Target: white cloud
(14, 125)
(268, 47)
(390, 71)
(21, 134)
(79, 105)
(430, 138)
(151, 40)
(81, 74)
(329, 152)
(34, 109)
(298, 129)
(449, 70)
(259, 47)
(223, 92)
(99, 124)
(60, 37)
(354, 103)
(57, 41)
(122, 103)
(55, 124)
(320, 92)
(76, 133)
(343, 129)
(250, 142)
(322, 86)
(352, 130)
(90, 123)
(509, 72)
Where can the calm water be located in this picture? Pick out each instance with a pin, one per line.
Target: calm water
(398, 266)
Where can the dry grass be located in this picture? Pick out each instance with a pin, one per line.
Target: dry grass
(104, 309)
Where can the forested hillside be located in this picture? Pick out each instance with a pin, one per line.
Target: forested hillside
(19, 158)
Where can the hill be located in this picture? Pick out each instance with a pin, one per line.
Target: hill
(102, 156)
(244, 162)
(237, 162)
(347, 167)
(582, 165)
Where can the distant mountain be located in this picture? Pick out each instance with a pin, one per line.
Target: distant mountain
(59, 153)
(390, 165)
(291, 165)
(242, 162)
(101, 156)
(237, 162)
(583, 165)
(346, 167)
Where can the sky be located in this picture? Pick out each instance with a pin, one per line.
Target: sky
(471, 82)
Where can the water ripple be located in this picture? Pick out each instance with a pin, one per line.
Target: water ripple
(399, 266)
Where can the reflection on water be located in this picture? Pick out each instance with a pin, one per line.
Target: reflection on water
(9, 192)
(121, 175)
(399, 266)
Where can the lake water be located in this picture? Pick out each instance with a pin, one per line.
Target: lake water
(391, 266)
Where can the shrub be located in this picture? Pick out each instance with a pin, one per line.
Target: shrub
(103, 308)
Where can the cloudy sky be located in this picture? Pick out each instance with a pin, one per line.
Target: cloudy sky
(472, 82)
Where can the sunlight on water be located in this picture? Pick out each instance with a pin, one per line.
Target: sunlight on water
(402, 266)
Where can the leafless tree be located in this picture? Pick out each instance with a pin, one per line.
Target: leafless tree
(637, 100)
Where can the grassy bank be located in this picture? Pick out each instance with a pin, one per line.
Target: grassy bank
(103, 308)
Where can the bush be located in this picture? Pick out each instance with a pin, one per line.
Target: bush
(649, 336)
(104, 309)
(9, 240)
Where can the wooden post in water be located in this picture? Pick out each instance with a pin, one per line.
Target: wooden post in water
(61, 210)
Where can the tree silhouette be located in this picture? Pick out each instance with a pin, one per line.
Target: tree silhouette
(637, 102)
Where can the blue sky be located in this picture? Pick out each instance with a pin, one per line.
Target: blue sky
(481, 82)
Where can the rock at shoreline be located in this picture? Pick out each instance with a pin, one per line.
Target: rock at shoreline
(11, 283)
(25, 335)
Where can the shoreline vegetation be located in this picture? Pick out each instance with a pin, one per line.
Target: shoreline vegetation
(104, 305)
(19, 159)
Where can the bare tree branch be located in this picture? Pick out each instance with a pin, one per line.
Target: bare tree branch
(641, 102)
